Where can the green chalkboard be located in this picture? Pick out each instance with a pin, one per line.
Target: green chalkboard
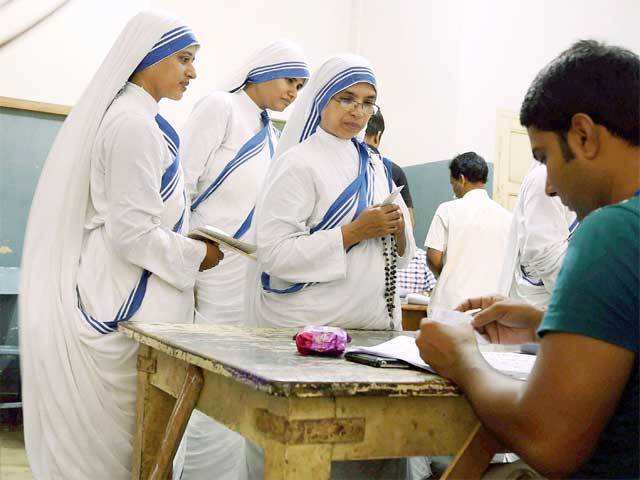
(25, 140)
(26, 137)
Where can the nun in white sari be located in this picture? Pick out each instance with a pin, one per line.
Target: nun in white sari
(104, 244)
(323, 187)
(228, 143)
(227, 146)
(327, 249)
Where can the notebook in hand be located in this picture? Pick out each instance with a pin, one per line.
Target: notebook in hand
(207, 232)
(404, 348)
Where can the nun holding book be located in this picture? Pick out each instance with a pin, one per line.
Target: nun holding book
(228, 144)
(105, 244)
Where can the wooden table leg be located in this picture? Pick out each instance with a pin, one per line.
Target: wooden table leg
(185, 404)
(295, 462)
(160, 419)
(153, 409)
(474, 457)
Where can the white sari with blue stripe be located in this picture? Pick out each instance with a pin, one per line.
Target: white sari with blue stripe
(228, 144)
(340, 288)
(132, 266)
(101, 215)
(305, 274)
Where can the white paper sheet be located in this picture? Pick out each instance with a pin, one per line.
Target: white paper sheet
(393, 195)
(404, 347)
(453, 317)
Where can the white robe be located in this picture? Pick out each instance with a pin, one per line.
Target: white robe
(128, 228)
(217, 128)
(303, 184)
(538, 241)
(472, 233)
(299, 190)
(78, 386)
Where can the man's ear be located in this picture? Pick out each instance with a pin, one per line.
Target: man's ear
(378, 137)
(584, 136)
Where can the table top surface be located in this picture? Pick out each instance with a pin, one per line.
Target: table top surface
(267, 360)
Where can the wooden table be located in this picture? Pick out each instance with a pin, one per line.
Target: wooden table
(411, 316)
(303, 411)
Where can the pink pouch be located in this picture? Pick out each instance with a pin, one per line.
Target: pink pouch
(327, 341)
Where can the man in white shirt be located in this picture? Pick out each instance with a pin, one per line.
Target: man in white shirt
(467, 237)
(538, 241)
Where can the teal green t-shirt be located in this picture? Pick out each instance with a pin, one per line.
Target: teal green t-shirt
(597, 294)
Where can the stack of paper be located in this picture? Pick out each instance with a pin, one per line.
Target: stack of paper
(417, 299)
(404, 348)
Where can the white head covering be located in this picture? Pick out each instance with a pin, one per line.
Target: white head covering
(54, 381)
(333, 76)
(280, 59)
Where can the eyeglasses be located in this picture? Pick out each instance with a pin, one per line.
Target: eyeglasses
(368, 108)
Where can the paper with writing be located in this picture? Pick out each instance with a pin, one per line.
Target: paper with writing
(404, 348)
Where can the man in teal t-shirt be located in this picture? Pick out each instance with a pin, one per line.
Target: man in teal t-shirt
(577, 415)
(598, 295)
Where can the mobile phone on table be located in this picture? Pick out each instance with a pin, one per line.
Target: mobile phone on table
(375, 360)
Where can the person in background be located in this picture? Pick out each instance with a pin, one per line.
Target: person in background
(373, 137)
(538, 241)
(577, 415)
(416, 278)
(467, 238)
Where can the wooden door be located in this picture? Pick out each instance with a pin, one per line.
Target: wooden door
(513, 158)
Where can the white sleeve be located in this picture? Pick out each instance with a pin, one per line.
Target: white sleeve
(545, 232)
(286, 248)
(202, 135)
(133, 176)
(437, 234)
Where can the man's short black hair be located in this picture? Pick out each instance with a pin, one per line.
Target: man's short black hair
(375, 125)
(471, 165)
(590, 77)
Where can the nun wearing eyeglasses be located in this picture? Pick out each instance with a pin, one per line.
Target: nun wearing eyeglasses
(105, 244)
(327, 248)
(228, 143)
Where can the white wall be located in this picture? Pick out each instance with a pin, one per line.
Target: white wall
(55, 61)
(444, 67)
(414, 47)
(230, 31)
